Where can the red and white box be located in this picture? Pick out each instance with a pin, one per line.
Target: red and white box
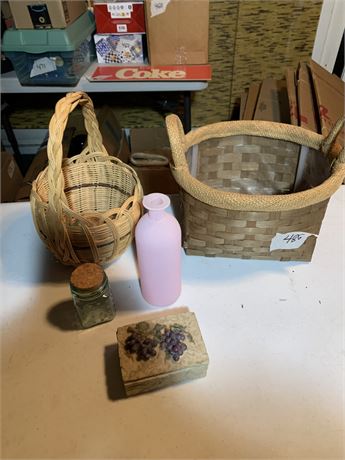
(119, 17)
(119, 49)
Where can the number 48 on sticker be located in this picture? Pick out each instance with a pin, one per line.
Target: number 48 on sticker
(292, 237)
(291, 240)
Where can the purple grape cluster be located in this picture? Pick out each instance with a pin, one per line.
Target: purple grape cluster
(172, 341)
(143, 346)
(143, 340)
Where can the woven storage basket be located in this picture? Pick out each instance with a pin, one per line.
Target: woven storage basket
(239, 196)
(84, 208)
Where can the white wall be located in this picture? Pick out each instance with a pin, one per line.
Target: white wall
(329, 34)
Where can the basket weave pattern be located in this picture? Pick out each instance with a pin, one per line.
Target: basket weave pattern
(84, 208)
(240, 197)
(219, 232)
(248, 164)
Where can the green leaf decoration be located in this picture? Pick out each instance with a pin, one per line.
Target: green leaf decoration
(158, 328)
(143, 327)
(190, 337)
(177, 327)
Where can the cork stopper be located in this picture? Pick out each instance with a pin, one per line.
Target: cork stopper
(87, 276)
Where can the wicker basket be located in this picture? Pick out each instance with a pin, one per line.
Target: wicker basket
(239, 196)
(84, 208)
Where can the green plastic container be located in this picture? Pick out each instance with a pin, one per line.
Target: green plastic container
(53, 57)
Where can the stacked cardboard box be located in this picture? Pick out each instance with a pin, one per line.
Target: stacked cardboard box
(169, 32)
(120, 37)
(308, 96)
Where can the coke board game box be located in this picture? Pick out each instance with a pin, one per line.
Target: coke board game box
(119, 17)
(119, 49)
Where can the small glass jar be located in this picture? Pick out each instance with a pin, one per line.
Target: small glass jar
(92, 295)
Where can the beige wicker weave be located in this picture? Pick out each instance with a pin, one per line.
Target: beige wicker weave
(240, 196)
(85, 208)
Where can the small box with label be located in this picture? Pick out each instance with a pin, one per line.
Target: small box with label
(119, 49)
(119, 17)
(51, 56)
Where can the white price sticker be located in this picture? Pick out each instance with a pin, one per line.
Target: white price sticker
(158, 7)
(41, 66)
(291, 240)
(121, 28)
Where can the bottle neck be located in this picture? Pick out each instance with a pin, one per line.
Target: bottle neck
(156, 203)
(156, 215)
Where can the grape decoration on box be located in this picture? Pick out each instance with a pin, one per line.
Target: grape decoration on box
(144, 340)
(156, 354)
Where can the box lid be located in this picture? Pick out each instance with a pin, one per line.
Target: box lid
(47, 40)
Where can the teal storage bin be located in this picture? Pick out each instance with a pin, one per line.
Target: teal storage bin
(53, 57)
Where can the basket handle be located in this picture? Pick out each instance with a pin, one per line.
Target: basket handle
(240, 201)
(57, 126)
(330, 139)
(56, 183)
(177, 141)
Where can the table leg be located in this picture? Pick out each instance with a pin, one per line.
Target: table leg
(5, 121)
(187, 111)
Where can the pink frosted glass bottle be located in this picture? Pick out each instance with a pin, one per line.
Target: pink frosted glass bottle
(158, 243)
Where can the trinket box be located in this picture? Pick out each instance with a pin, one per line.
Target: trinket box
(159, 353)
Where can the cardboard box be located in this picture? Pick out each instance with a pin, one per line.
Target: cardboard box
(273, 103)
(177, 31)
(252, 98)
(143, 140)
(152, 178)
(7, 15)
(47, 14)
(119, 49)
(307, 110)
(243, 101)
(313, 167)
(11, 177)
(40, 162)
(114, 138)
(290, 76)
(329, 90)
(119, 17)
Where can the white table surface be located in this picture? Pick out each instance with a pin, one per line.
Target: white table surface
(274, 332)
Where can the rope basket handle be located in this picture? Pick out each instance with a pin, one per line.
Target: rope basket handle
(56, 195)
(330, 139)
(180, 143)
(57, 126)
